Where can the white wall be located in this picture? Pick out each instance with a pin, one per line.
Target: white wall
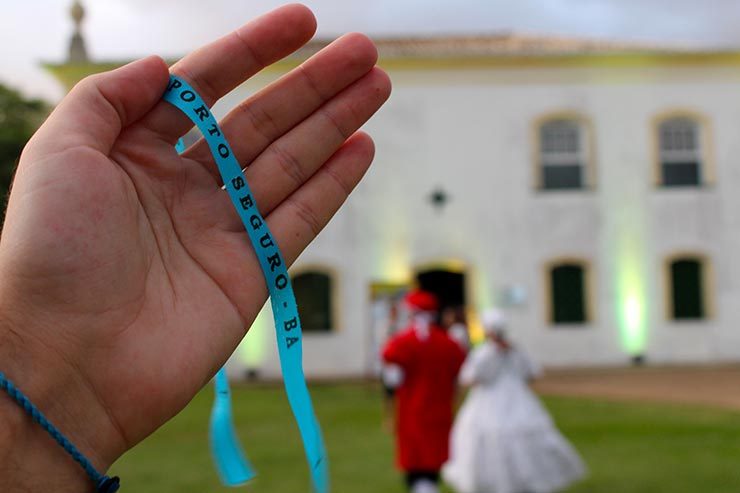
(469, 132)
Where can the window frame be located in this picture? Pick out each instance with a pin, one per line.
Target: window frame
(589, 295)
(706, 171)
(707, 293)
(334, 292)
(586, 153)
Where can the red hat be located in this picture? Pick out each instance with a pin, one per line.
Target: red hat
(421, 300)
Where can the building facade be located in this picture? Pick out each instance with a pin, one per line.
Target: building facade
(586, 187)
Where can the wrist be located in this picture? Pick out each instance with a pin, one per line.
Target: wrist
(30, 459)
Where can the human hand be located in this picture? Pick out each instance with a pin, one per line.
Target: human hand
(126, 278)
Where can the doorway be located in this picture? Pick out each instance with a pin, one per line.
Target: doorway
(447, 285)
(385, 298)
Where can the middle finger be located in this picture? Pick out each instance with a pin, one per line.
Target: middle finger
(261, 119)
(288, 163)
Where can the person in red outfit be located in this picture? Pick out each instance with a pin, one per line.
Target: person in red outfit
(429, 361)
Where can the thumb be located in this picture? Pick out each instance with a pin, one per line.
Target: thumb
(100, 106)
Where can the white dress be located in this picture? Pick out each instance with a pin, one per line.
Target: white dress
(503, 439)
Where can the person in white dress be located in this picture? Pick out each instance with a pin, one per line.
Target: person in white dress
(503, 439)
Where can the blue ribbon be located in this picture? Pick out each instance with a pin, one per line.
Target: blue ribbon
(284, 307)
(231, 463)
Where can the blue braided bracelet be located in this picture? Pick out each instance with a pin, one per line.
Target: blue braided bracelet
(103, 484)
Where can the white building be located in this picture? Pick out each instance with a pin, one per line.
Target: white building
(587, 186)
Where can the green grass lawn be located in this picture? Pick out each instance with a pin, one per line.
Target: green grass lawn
(629, 448)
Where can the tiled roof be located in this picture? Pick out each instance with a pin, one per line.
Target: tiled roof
(501, 45)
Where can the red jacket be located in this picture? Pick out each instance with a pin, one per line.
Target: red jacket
(425, 399)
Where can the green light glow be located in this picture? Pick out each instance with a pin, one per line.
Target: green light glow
(631, 303)
(633, 327)
(253, 348)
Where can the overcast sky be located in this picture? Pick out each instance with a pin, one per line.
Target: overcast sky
(38, 30)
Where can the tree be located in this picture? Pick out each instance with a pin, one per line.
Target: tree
(19, 119)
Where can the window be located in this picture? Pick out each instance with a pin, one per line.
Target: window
(313, 292)
(568, 291)
(562, 154)
(680, 152)
(687, 300)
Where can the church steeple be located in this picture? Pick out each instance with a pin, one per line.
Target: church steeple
(77, 51)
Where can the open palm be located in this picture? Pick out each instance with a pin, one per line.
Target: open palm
(126, 273)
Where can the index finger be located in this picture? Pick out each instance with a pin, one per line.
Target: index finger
(219, 67)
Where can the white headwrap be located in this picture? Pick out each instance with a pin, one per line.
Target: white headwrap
(493, 320)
